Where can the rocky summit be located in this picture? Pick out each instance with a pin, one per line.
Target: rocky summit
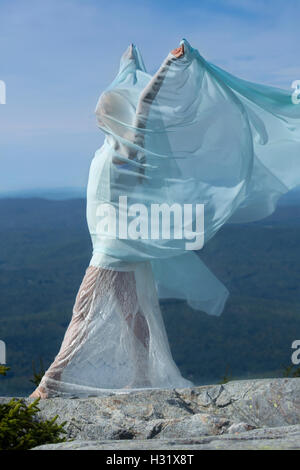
(246, 414)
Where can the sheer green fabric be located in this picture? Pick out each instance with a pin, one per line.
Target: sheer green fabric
(190, 134)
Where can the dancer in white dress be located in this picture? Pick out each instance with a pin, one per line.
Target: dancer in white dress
(191, 133)
(116, 338)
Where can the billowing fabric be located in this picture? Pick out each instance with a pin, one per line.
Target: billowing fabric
(189, 134)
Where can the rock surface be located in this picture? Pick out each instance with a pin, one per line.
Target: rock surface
(280, 438)
(247, 414)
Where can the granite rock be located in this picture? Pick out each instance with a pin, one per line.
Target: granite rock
(237, 414)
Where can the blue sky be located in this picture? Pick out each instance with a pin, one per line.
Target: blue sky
(56, 57)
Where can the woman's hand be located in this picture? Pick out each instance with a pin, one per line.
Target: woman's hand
(178, 52)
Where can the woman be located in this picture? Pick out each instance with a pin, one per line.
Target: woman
(190, 134)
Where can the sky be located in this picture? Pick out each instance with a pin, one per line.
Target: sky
(57, 56)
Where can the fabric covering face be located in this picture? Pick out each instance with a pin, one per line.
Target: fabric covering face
(189, 134)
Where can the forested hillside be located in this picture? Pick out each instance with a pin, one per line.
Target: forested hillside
(45, 249)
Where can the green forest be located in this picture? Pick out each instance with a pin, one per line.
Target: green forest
(45, 249)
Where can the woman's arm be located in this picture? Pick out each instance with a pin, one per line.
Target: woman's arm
(149, 93)
(144, 105)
